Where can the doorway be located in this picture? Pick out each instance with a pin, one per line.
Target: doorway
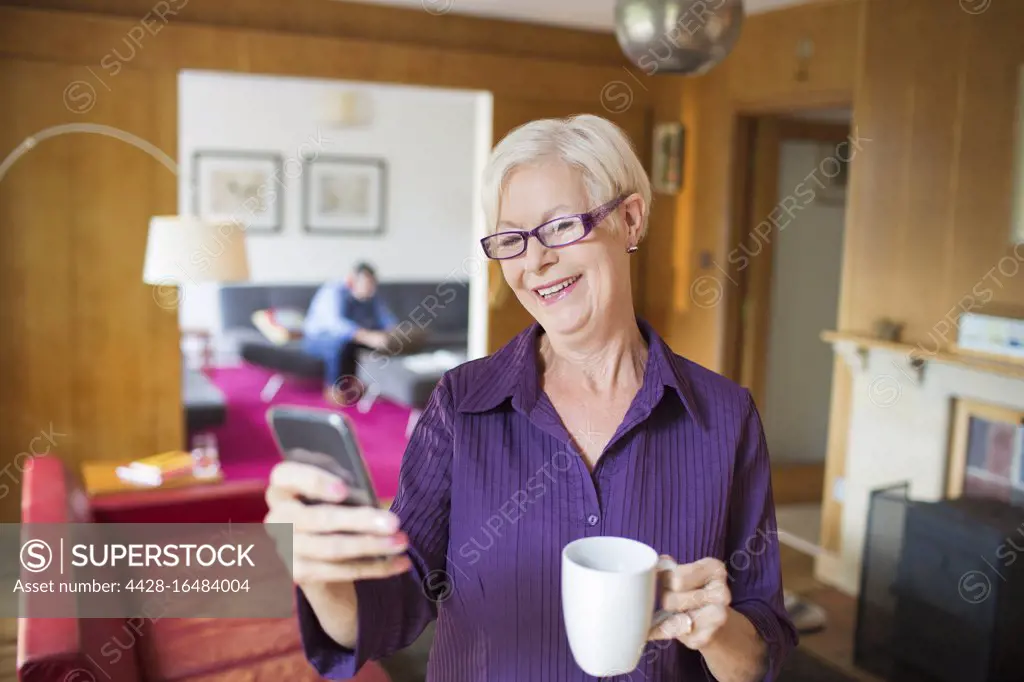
(790, 195)
(347, 172)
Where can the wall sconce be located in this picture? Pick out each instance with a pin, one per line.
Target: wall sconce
(346, 109)
(804, 52)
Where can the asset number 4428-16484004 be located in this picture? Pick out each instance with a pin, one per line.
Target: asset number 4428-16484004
(195, 585)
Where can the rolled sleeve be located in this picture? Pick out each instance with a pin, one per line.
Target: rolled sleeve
(383, 615)
(753, 559)
(766, 620)
(331, 660)
(392, 612)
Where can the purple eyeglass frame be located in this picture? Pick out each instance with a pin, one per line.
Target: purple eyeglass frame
(590, 219)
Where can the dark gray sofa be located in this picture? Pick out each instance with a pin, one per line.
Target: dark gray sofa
(434, 314)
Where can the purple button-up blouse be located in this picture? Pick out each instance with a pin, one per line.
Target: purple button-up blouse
(491, 489)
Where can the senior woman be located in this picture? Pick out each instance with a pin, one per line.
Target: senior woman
(585, 424)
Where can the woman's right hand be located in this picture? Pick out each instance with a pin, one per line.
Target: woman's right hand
(333, 543)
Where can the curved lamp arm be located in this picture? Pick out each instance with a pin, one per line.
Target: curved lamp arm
(96, 129)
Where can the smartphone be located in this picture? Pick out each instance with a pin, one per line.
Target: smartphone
(323, 439)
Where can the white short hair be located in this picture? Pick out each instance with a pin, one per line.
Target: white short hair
(595, 146)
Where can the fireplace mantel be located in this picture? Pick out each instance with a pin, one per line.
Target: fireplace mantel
(902, 412)
(855, 349)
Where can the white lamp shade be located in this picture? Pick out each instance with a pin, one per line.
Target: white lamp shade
(187, 250)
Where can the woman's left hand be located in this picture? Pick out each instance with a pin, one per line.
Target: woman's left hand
(698, 596)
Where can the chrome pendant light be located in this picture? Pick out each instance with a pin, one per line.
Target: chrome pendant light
(686, 37)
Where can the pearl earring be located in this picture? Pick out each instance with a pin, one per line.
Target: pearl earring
(633, 249)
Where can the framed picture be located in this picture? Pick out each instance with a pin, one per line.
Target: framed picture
(669, 147)
(986, 452)
(345, 195)
(238, 186)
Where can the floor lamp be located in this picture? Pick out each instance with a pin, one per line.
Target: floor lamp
(183, 250)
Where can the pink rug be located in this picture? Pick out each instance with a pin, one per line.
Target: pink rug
(246, 446)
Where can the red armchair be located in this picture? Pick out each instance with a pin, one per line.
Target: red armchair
(168, 649)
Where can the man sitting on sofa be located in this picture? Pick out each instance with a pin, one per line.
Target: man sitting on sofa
(344, 317)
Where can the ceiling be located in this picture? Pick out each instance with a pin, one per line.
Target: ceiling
(594, 15)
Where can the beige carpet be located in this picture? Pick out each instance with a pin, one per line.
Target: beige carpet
(800, 526)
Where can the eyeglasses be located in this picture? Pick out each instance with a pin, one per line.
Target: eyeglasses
(553, 234)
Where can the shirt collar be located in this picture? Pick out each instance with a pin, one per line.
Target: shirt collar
(511, 372)
(666, 369)
(501, 375)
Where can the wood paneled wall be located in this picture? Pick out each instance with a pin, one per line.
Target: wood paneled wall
(85, 351)
(931, 194)
(934, 94)
(85, 39)
(86, 347)
(795, 58)
(360, 21)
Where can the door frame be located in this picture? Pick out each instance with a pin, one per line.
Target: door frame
(754, 195)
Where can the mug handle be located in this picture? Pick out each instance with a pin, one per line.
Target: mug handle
(661, 615)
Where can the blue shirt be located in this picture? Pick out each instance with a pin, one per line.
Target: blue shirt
(491, 489)
(328, 313)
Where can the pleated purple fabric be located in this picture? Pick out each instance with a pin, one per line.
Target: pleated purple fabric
(491, 489)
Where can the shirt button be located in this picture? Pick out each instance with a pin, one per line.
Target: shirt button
(592, 519)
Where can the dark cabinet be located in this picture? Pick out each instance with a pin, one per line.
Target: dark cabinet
(959, 591)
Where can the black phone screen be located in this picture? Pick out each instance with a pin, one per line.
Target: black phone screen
(324, 441)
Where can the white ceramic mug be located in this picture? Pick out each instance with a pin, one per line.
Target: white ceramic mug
(608, 601)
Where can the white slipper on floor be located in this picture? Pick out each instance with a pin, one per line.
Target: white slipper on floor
(807, 617)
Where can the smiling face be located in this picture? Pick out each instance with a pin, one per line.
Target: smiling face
(580, 287)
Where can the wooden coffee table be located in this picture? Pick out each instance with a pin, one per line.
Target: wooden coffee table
(100, 478)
